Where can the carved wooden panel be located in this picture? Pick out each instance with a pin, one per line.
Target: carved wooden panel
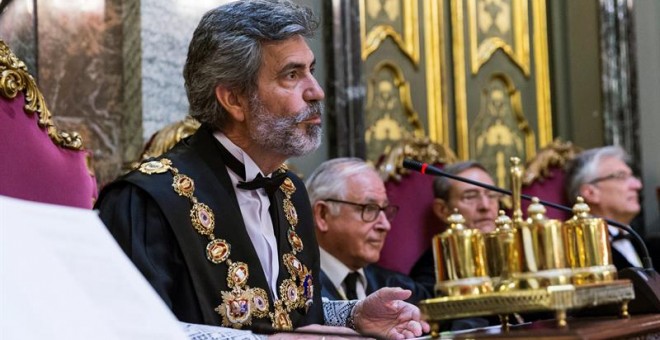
(501, 84)
(403, 65)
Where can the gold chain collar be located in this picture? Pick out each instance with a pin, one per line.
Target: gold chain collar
(242, 303)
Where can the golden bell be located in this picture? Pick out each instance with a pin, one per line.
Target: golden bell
(543, 251)
(460, 260)
(503, 248)
(587, 246)
(547, 238)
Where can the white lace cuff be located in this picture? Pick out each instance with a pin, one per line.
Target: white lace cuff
(339, 313)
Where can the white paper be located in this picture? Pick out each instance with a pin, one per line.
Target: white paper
(62, 276)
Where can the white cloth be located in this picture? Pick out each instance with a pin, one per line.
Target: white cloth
(335, 313)
(337, 271)
(254, 206)
(625, 247)
(207, 332)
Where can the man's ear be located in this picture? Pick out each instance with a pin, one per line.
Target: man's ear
(321, 213)
(441, 209)
(233, 102)
(590, 193)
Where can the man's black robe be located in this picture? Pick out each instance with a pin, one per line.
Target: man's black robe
(152, 224)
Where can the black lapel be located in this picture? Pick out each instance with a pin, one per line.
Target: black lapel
(229, 221)
(372, 279)
(328, 289)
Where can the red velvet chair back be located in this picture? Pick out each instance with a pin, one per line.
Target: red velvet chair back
(545, 177)
(415, 224)
(38, 162)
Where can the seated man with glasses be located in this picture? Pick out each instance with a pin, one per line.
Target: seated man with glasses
(607, 184)
(352, 218)
(478, 206)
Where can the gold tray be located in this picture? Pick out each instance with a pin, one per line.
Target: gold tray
(558, 298)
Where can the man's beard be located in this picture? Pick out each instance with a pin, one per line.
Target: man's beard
(281, 133)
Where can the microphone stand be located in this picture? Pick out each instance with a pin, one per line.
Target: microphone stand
(645, 280)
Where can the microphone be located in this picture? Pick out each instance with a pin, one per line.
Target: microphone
(646, 281)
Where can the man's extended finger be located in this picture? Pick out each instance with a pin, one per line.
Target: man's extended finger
(389, 293)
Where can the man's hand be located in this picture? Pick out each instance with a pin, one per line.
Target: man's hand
(385, 314)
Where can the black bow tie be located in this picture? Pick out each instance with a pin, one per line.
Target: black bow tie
(622, 236)
(269, 183)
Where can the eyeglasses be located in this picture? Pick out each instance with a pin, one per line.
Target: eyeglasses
(617, 176)
(473, 197)
(370, 211)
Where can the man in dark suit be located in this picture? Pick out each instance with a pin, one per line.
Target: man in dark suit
(352, 218)
(608, 185)
(217, 225)
(477, 205)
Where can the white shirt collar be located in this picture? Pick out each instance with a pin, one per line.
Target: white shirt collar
(337, 271)
(251, 168)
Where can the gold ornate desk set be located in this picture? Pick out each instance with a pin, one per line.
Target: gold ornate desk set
(538, 264)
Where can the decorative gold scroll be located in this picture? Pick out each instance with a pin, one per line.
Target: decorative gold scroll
(373, 36)
(390, 115)
(499, 24)
(501, 130)
(14, 77)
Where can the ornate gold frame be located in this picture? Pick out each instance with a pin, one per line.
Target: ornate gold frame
(438, 119)
(482, 51)
(14, 77)
(541, 64)
(460, 86)
(409, 43)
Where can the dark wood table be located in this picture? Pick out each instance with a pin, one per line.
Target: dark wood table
(636, 327)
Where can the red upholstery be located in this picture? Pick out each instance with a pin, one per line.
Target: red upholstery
(415, 224)
(549, 189)
(34, 167)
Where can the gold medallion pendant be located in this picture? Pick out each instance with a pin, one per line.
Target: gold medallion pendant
(202, 218)
(183, 185)
(294, 266)
(237, 275)
(280, 318)
(290, 294)
(260, 303)
(295, 241)
(290, 212)
(217, 251)
(236, 308)
(155, 167)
